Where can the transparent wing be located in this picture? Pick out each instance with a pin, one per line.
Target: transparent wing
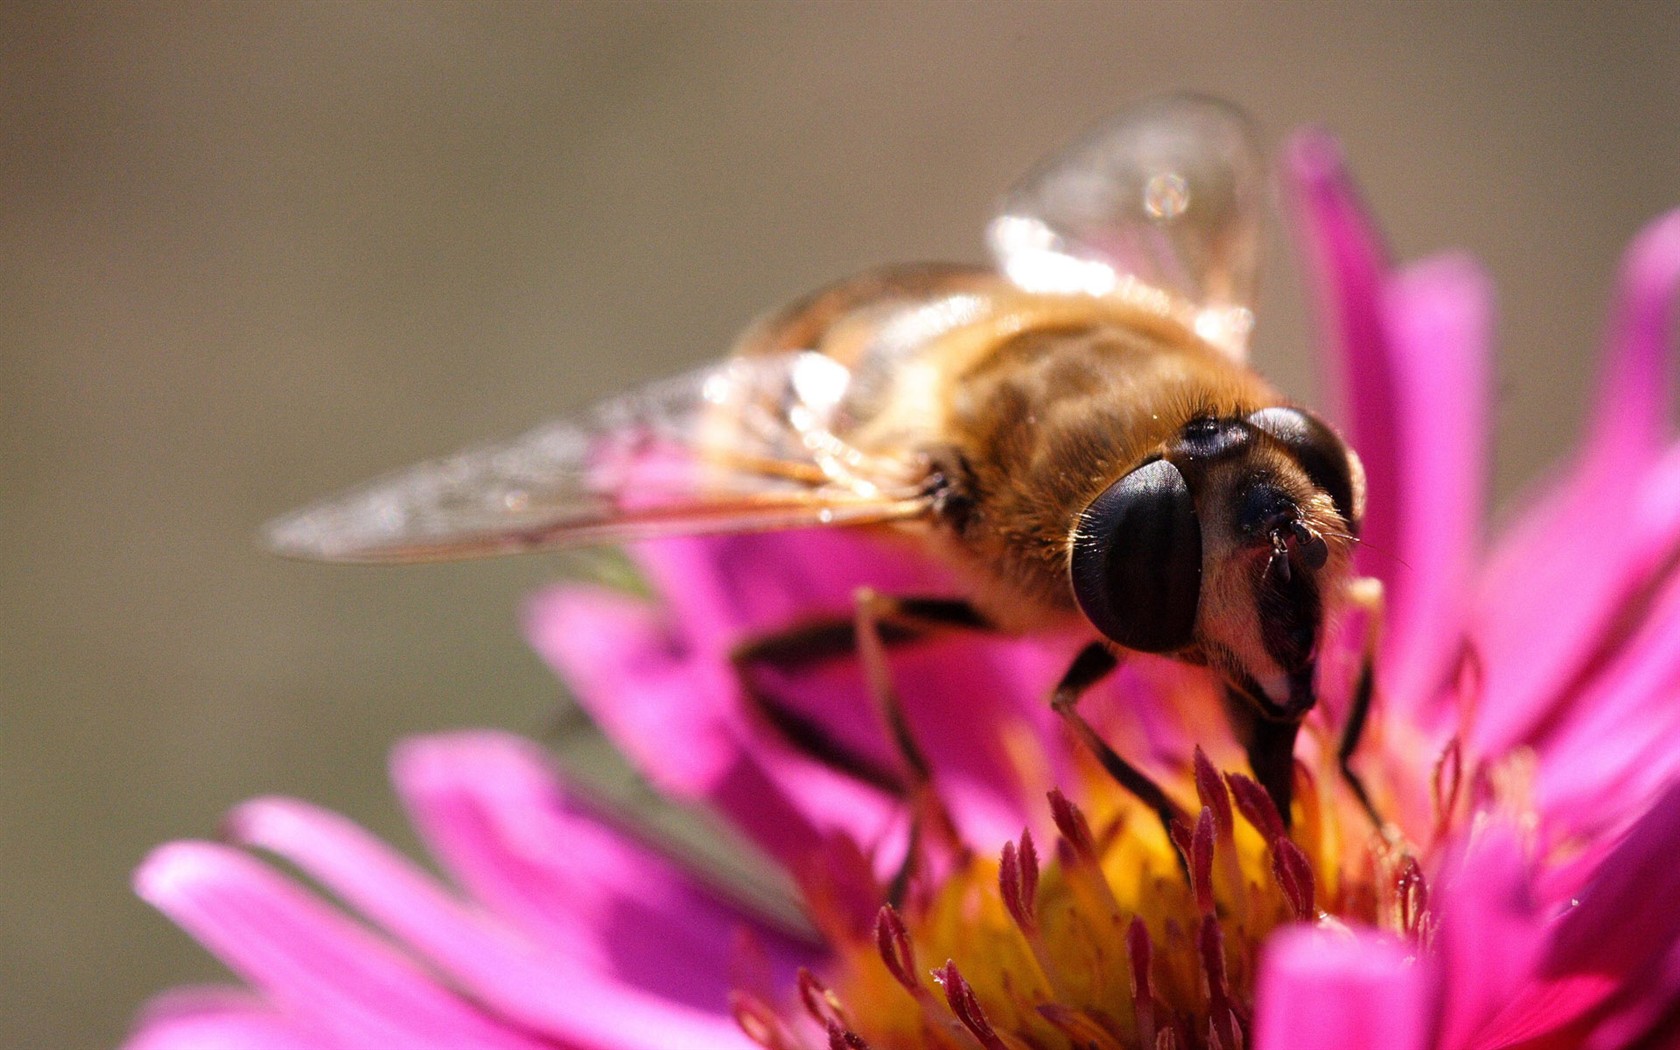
(742, 445)
(1166, 196)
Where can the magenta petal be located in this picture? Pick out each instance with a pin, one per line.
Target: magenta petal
(1635, 394)
(1535, 647)
(1410, 357)
(1613, 749)
(676, 715)
(562, 987)
(1351, 266)
(723, 589)
(1440, 317)
(1646, 1011)
(311, 961)
(639, 683)
(661, 686)
(220, 1019)
(1320, 990)
(490, 808)
(1491, 934)
(1626, 923)
(1539, 655)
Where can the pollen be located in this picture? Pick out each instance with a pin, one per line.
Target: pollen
(1114, 929)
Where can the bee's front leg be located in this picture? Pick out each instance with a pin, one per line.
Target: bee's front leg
(1365, 593)
(1094, 663)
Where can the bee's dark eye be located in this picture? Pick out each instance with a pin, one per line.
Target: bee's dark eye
(1320, 452)
(1137, 560)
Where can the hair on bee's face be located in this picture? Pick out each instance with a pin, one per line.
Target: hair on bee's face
(1219, 542)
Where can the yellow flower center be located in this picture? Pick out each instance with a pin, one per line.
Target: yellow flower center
(1121, 934)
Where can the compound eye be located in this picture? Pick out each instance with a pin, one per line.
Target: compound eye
(1327, 460)
(1137, 560)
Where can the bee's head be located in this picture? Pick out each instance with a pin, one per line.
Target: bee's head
(1224, 548)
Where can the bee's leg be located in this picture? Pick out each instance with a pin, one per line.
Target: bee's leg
(875, 614)
(1094, 663)
(1270, 745)
(1367, 593)
(818, 642)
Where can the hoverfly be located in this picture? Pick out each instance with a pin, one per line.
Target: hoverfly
(1073, 430)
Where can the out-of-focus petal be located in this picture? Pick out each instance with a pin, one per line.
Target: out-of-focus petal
(722, 590)
(1440, 318)
(1491, 934)
(492, 812)
(219, 1019)
(1409, 354)
(1601, 534)
(1645, 1012)
(1337, 991)
(1349, 268)
(1613, 747)
(677, 716)
(564, 986)
(309, 960)
(1626, 922)
(662, 687)
(1635, 393)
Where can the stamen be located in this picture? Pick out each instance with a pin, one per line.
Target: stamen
(1012, 885)
(1029, 870)
(1083, 864)
(1211, 790)
(845, 1039)
(1222, 1024)
(966, 1006)
(1138, 951)
(759, 1021)
(1073, 826)
(1445, 781)
(1294, 876)
(893, 940)
(1411, 897)
(1256, 806)
(821, 1003)
(1080, 1027)
(1201, 861)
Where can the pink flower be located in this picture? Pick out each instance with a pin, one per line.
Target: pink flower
(1522, 893)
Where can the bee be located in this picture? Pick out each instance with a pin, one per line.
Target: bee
(1073, 430)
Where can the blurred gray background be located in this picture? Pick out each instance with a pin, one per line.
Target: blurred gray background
(250, 253)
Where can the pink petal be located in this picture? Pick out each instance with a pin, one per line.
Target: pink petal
(1635, 393)
(1647, 1006)
(1534, 647)
(1440, 317)
(1540, 654)
(1613, 747)
(311, 961)
(676, 714)
(1350, 266)
(1321, 990)
(1627, 921)
(219, 1019)
(562, 988)
(722, 590)
(639, 682)
(663, 689)
(1410, 356)
(489, 806)
(1491, 934)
